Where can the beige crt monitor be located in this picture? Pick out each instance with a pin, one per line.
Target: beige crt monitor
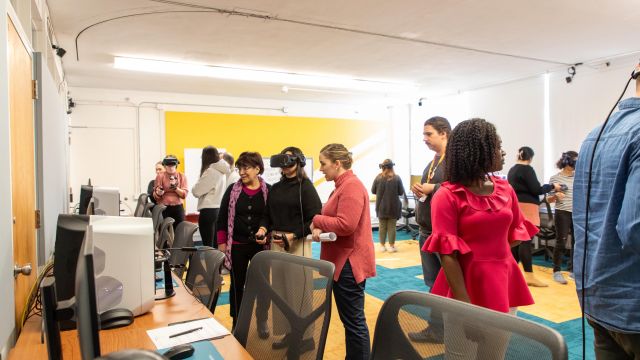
(123, 263)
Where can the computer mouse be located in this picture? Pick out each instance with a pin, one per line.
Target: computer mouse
(115, 318)
(179, 352)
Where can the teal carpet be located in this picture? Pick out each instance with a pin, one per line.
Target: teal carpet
(389, 281)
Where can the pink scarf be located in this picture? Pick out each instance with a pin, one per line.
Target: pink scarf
(233, 199)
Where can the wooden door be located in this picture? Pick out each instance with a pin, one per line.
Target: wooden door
(22, 166)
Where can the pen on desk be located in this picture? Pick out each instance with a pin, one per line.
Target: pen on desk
(186, 321)
(185, 332)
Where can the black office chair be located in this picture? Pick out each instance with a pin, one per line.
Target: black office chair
(183, 237)
(156, 217)
(407, 213)
(146, 212)
(141, 205)
(472, 331)
(299, 290)
(167, 234)
(203, 275)
(547, 233)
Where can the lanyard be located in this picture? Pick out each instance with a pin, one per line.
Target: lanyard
(432, 170)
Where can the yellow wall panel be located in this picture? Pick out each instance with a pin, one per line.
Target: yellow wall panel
(265, 134)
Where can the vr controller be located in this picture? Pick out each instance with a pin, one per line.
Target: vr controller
(283, 237)
(563, 187)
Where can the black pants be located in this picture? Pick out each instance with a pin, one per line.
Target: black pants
(564, 227)
(176, 212)
(522, 253)
(207, 226)
(350, 303)
(241, 255)
(613, 345)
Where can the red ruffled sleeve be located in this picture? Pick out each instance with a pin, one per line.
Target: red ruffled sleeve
(521, 229)
(523, 232)
(444, 217)
(445, 244)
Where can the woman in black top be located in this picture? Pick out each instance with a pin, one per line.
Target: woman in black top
(387, 187)
(292, 204)
(524, 181)
(241, 211)
(152, 183)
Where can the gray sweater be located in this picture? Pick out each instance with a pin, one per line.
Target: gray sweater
(387, 192)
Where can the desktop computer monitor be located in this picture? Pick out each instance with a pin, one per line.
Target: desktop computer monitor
(86, 192)
(86, 304)
(70, 233)
(106, 201)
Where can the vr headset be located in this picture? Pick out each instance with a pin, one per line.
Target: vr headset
(286, 160)
(170, 161)
(388, 165)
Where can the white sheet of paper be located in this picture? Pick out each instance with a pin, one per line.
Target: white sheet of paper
(211, 329)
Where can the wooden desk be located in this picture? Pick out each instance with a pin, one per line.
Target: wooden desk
(178, 308)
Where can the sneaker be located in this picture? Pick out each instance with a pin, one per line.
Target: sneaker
(427, 335)
(383, 248)
(393, 249)
(557, 277)
(571, 276)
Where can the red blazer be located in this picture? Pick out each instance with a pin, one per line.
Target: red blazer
(347, 214)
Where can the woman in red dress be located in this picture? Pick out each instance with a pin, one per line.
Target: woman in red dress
(476, 220)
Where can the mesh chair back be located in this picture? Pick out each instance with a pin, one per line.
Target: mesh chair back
(167, 234)
(140, 206)
(156, 217)
(291, 296)
(468, 331)
(203, 276)
(183, 237)
(147, 210)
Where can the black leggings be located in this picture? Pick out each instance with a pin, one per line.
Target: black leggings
(522, 253)
(176, 212)
(564, 227)
(207, 226)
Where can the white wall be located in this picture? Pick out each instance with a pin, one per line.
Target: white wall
(579, 107)
(52, 128)
(7, 318)
(143, 113)
(516, 109)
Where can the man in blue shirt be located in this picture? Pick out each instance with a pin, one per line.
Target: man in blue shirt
(612, 273)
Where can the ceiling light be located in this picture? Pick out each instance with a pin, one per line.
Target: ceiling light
(265, 76)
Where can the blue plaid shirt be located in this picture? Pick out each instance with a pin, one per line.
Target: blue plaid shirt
(612, 273)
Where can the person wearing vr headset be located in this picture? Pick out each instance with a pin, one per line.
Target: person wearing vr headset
(563, 211)
(387, 187)
(346, 214)
(524, 181)
(241, 210)
(292, 204)
(171, 189)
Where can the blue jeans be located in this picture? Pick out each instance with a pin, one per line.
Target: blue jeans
(430, 263)
(349, 297)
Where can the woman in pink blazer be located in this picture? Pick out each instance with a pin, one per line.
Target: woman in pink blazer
(346, 213)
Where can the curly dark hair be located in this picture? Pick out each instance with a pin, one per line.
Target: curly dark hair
(473, 151)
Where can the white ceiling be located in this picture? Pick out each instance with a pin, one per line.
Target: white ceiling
(557, 32)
